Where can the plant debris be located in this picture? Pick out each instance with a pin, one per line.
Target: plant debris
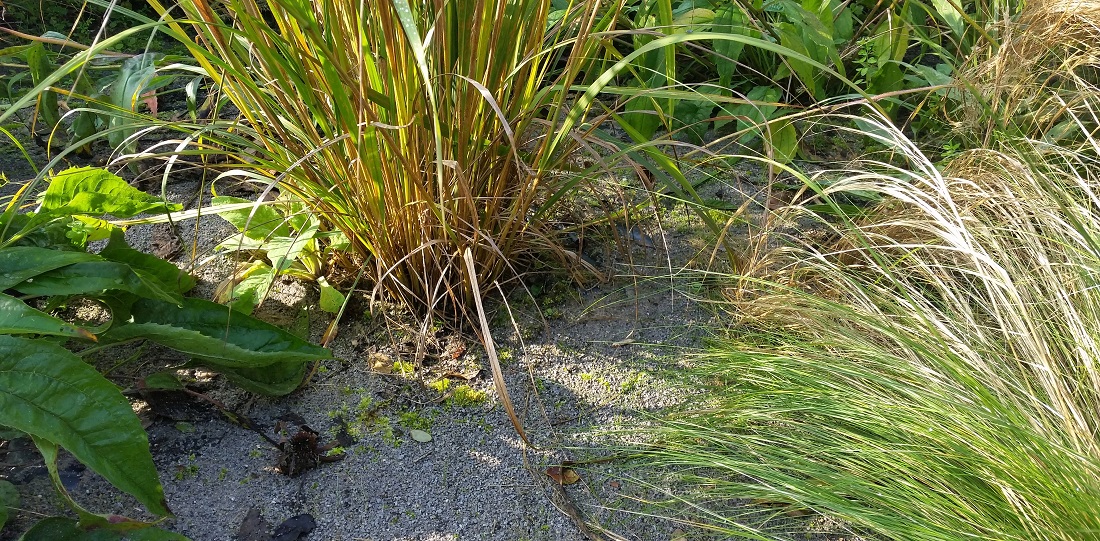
(302, 452)
(564, 476)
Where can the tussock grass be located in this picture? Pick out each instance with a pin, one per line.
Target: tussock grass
(930, 372)
(425, 131)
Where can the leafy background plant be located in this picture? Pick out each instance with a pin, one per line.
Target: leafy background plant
(111, 91)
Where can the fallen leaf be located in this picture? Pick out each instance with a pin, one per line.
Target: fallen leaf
(678, 535)
(564, 476)
(467, 375)
(615, 485)
(381, 363)
(454, 348)
(420, 436)
(150, 99)
(161, 381)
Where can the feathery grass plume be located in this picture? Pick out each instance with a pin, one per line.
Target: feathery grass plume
(1028, 80)
(929, 373)
(419, 129)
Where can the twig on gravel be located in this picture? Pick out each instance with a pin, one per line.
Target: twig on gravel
(561, 500)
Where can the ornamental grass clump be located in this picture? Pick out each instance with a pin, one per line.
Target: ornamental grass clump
(929, 371)
(425, 131)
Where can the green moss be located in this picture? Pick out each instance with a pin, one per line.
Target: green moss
(440, 385)
(404, 368)
(465, 396)
(385, 430)
(631, 383)
(460, 395)
(187, 471)
(413, 420)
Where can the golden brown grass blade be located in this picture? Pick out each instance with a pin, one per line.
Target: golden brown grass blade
(491, 350)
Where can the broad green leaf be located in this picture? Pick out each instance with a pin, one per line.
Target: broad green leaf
(41, 68)
(950, 15)
(50, 451)
(248, 290)
(843, 25)
(729, 19)
(692, 19)
(76, 63)
(891, 39)
(85, 229)
(166, 273)
(18, 51)
(254, 354)
(643, 114)
(191, 91)
(20, 263)
(337, 240)
(162, 381)
(9, 499)
(753, 116)
(96, 277)
(584, 100)
(887, 78)
(299, 215)
(41, 230)
(84, 125)
(134, 76)
(789, 36)
(274, 380)
(154, 534)
(932, 76)
(48, 392)
(18, 318)
(692, 119)
(783, 141)
(260, 222)
(331, 298)
(283, 251)
(240, 242)
(66, 529)
(89, 190)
